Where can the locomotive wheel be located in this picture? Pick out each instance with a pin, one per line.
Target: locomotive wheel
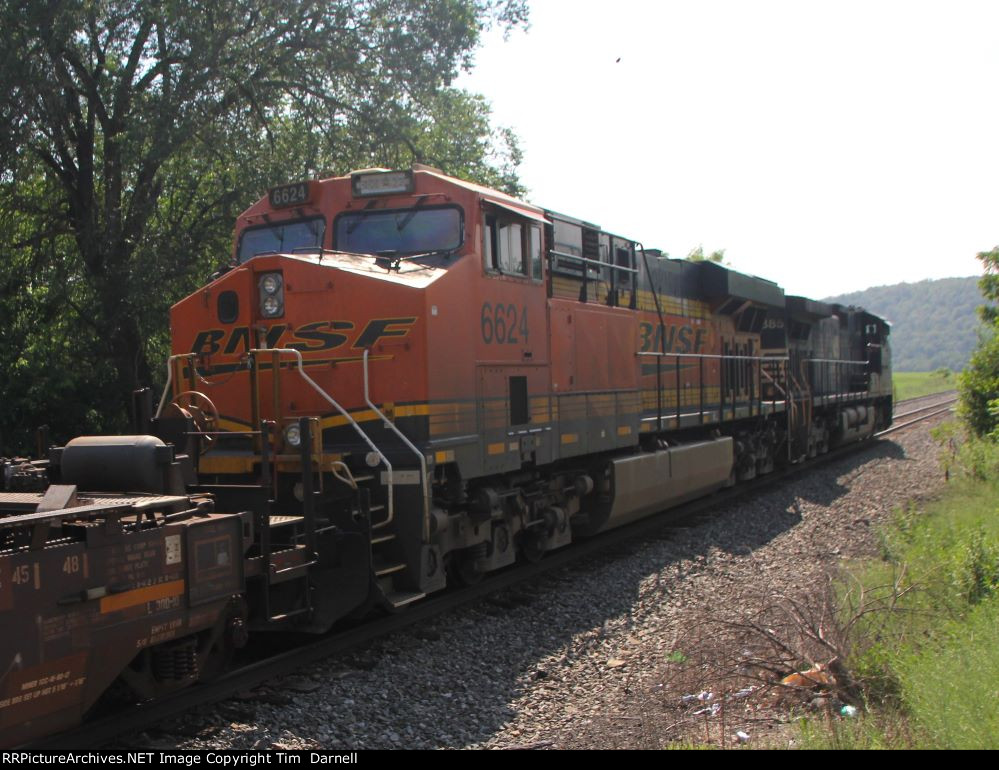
(462, 567)
(532, 546)
(201, 409)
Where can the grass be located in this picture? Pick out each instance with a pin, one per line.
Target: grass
(915, 384)
(952, 690)
(926, 659)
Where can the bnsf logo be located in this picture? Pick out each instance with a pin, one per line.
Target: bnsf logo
(682, 339)
(318, 335)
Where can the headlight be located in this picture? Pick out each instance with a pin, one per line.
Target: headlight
(271, 295)
(293, 435)
(271, 307)
(270, 283)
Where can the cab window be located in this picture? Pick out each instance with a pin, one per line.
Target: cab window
(511, 246)
(282, 238)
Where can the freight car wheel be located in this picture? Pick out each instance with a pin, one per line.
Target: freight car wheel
(220, 647)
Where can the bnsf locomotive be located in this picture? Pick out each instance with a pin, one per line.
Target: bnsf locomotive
(401, 380)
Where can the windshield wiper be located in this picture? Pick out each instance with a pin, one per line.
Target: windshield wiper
(404, 222)
(388, 259)
(433, 253)
(365, 212)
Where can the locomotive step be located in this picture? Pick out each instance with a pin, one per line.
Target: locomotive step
(371, 508)
(402, 598)
(289, 614)
(382, 539)
(282, 521)
(286, 563)
(382, 571)
(294, 571)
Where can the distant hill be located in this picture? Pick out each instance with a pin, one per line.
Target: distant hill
(934, 323)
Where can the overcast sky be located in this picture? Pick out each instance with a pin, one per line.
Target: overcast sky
(830, 146)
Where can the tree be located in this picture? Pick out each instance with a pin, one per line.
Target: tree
(697, 255)
(135, 130)
(979, 383)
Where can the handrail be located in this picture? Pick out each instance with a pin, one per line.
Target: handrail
(774, 382)
(169, 379)
(318, 388)
(711, 355)
(833, 361)
(423, 460)
(367, 440)
(701, 357)
(588, 261)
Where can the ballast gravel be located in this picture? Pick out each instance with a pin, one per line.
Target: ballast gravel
(588, 657)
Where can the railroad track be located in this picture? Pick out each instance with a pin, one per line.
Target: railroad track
(108, 728)
(940, 403)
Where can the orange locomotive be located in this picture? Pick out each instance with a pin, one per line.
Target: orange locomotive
(448, 376)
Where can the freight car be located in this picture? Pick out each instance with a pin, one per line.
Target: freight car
(401, 380)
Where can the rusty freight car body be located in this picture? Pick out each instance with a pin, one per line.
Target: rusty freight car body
(404, 379)
(99, 587)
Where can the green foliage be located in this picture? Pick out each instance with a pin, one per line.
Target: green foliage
(914, 384)
(979, 384)
(697, 255)
(134, 131)
(927, 659)
(934, 323)
(966, 456)
(867, 732)
(989, 284)
(951, 689)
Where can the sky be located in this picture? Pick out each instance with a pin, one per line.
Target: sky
(830, 146)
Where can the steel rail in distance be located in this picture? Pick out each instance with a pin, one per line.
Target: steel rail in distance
(142, 716)
(940, 410)
(939, 394)
(944, 395)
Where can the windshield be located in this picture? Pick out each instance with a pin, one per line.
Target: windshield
(282, 238)
(399, 231)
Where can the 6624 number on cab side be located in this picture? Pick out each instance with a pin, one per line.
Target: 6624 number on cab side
(503, 324)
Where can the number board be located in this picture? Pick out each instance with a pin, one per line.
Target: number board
(290, 195)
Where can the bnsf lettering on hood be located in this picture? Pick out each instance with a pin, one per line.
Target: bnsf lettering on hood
(310, 337)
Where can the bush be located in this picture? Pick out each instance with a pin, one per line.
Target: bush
(979, 388)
